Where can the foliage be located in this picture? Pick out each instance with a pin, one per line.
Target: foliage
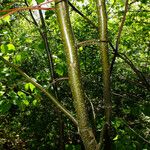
(28, 120)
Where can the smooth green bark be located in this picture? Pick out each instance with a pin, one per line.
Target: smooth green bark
(85, 130)
(102, 26)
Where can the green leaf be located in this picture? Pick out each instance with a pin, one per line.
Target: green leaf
(29, 1)
(144, 1)
(4, 106)
(32, 87)
(28, 40)
(21, 94)
(17, 58)
(6, 57)
(60, 71)
(81, 48)
(80, 1)
(26, 102)
(116, 138)
(40, 1)
(49, 14)
(72, 147)
(7, 19)
(41, 45)
(34, 102)
(1, 93)
(26, 86)
(11, 47)
(29, 86)
(4, 48)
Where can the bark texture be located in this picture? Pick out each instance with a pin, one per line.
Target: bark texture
(102, 25)
(85, 130)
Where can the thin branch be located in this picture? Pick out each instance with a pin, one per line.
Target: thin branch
(92, 107)
(43, 34)
(49, 95)
(135, 83)
(34, 21)
(59, 79)
(111, 45)
(138, 73)
(132, 2)
(119, 35)
(48, 50)
(142, 138)
(26, 18)
(120, 95)
(81, 14)
(101, 140)
(37, 7)
(25, 8)
(127, 95)
(93, 114)
(121, 25)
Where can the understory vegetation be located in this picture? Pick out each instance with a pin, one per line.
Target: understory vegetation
(74, 75)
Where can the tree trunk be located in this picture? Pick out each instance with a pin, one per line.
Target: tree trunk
(85, 130)
(102, 25)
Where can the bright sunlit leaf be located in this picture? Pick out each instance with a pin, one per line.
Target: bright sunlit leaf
(1, 93)
(11, 47)
(26, 86)
(29, 86)
(6, 57)
(7, 18)
(81, 48)
(21, 94)
(116, 138)
(18, 58)
(32, 87)
(26, 102)
(34, 102)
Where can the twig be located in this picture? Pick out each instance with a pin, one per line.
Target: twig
(121, 25)
(126, 95)
(142, 138)
(101, 140)
(118, 94)
(118, 36)
(37, 7)
(34, 21)
(132, 2)
(81, 14)
(26, 18)
(138, 73)
(59, 79)
(92, 107)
